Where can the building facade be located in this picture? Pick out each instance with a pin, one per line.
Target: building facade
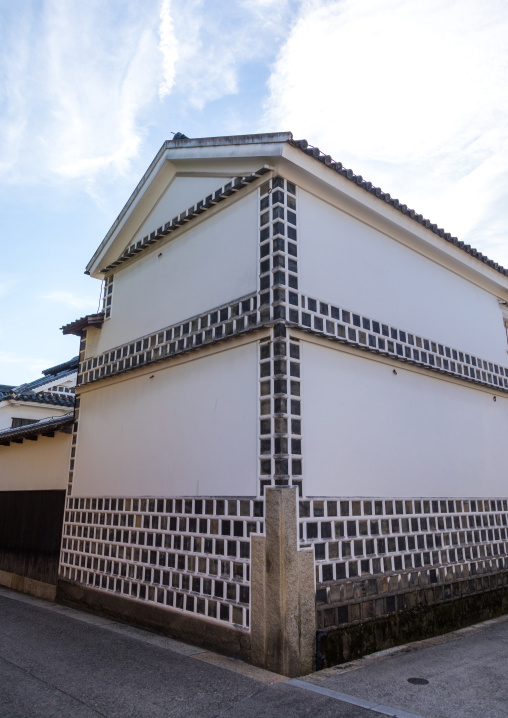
(291, 411)
(36, 420)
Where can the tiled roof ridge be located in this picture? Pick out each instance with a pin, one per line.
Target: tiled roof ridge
(64, 366)
(40, 397)
(28, 386)
(386, 197)
(219, 195)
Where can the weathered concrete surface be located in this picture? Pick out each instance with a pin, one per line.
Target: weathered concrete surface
(282, 591)
(56, 662)
(466, 672)
(185, 627)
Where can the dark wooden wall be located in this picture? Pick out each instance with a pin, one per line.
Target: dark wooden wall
(30, 533)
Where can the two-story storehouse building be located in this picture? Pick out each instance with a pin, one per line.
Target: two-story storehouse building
(292, 411)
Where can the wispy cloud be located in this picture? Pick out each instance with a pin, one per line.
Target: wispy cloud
(220, 43)
(7, 285)
(410, 94)
(69, 299)
(83, 81)
(30, 364)
(168, 45)
(78, 77)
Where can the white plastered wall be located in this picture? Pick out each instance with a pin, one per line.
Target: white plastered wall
(346, 262)
(191, 430)
(35, 465)
(213, 262)
(370, 432)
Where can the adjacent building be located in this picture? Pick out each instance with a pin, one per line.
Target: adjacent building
(36, 420)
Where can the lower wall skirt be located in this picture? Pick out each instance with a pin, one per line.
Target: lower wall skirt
(352, 641)
(212, 636)
(30, 586)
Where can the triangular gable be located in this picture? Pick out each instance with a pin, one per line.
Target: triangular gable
(208, 202)
(181, 175)
(182, 192)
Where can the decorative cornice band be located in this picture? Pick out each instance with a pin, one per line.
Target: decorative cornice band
(228, 320)
(346, 326)
(300, 312)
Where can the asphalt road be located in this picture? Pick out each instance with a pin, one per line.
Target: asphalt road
(56, 662)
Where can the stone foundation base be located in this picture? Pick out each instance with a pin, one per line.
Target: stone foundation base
(212, 636)
(28, 585)
(350, 642)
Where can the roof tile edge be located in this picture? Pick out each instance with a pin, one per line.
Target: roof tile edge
(338, 167)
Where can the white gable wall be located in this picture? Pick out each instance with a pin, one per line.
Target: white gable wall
(213, 262)
(370, 432)
(345, 261)
(182, 193)
(189, 430)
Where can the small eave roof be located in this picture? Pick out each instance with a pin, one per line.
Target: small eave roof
(67, 366)
(77, 326)
(50, 425)
(30, 386)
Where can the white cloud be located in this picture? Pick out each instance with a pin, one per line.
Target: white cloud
(169, 48)
(219, 40)
(31, 365)
(102, 72)
(75, 301)
(409, 94)
(77, 81)
(84, 81)
(13, 95)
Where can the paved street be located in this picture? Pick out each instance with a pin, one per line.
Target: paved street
(59, 662)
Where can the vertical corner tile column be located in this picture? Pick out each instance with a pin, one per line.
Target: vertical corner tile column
(280, 450)
(77, 402)
(283, 625)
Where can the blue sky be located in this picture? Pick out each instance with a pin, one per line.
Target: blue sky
(410, 94)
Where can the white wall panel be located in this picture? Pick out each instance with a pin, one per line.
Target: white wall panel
(182, 193)
(211, 263)
(345, 261)
(191, 430)
(369, 432)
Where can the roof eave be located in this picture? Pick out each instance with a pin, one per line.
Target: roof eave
(44, 427)
(76, 327)
(484, 265)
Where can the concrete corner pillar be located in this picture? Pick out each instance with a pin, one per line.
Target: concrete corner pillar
(283, 606)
